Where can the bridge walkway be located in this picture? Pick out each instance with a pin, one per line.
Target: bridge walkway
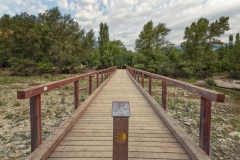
(91, 137)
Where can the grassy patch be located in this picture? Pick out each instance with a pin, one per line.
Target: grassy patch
(3, 103)
(9, 116)
(17, 103)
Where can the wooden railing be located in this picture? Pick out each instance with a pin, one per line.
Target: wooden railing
(207, 96)
(34, 94)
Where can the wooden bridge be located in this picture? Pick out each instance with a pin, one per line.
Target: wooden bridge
(88, 133)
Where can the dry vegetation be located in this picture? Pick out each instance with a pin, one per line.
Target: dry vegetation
(58, 104)
(14, 114)
(225, 119)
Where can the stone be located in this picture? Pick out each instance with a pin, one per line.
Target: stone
(235, 133)
(15, 155)
(224, 147)
(200, 82)
(187, 123)
(22, 147)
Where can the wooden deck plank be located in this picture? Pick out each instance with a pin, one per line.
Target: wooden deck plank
(109, 134)
(91, 135)
(104, 154)
(109, 148)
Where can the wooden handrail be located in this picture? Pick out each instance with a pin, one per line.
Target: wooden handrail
(34, 93)
(207, 96)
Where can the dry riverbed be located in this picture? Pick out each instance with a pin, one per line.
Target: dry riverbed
(14, 114)
(225, 121)
(58, 104)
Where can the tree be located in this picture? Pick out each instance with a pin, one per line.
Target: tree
(151, 41)
(106, 58)
(88, 47)
(47, 43)
(5, 40)
(62, 39)
(200, 39)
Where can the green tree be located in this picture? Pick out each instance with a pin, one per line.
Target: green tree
(200, 39)
(5, 40)
(148, 46)
(62, 39)
(106, 58)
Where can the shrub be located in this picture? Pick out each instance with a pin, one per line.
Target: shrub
(211, 82)
(22, 67)
(234, 74)
(44, 67)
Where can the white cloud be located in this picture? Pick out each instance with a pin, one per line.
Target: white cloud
(3, 7)
(63, 4)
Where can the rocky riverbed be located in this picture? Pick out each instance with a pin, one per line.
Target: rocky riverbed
(223, 82)
(182, 105)
(15, 116)
(225, 121)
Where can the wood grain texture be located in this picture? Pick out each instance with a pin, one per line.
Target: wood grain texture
(30, 92)
(194, 151)
(213, 95)
(46, 148)
(205, 124)
(36, 121)
(91, 136)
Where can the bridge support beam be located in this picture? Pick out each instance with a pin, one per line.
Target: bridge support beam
(150, 85)
(97, 77)
(164, 95)
(90, 85)
(76, 94)
(36, 121)
(120, 114)
(205, 124)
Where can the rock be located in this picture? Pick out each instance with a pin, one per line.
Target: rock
(15, 155)
(222, 140)
(235, 133)
(200, 82)
(22, 147)
(187, 110)
(224, 147)
(187, 123)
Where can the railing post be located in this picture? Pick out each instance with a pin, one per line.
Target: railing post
(101, 77)
(36, 121)
(104, 75)
(76, 94)
(164, 95)
(150, 85)
(120, 114)
(90, 85)
(143, 80)
(205, 124)
(138, 77)
(97, 80)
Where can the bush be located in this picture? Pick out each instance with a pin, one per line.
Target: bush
(22, 67)
(202, 74)
(211, 82)
(234, 74)
(44, 67)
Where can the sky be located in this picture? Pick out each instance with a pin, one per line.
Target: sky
(126, 18)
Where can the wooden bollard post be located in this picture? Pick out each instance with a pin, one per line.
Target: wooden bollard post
(120, 114)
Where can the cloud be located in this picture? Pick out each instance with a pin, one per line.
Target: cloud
(63, 4)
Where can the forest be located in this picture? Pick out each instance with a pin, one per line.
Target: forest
(56, 43)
